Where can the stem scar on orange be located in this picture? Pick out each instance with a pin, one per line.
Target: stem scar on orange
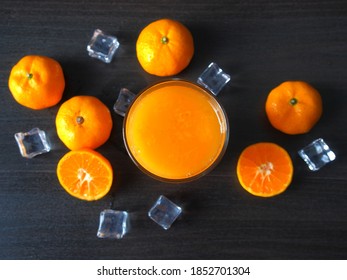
(85, 174)
(265, 169)
(164, 47)
(294, 107)
(83, 122)
(37, 82)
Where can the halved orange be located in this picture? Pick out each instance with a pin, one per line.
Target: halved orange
(265, 169)
(85, 174)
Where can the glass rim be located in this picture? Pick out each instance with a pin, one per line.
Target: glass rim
(205, 171)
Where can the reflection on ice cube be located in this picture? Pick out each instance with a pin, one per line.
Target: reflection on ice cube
(113, 224)
(32, 143)
(164, 212)
(213, 78)
(102, 46)
(124, 99)
(317, 154)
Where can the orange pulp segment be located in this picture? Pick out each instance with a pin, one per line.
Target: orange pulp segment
(175, 130)
(265, 169)
(85, 174)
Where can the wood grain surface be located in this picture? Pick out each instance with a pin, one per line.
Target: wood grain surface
(261, 44)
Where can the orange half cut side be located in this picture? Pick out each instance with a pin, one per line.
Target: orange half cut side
(85, 174)
(265, 169)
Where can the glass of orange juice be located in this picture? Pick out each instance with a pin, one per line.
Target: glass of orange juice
(175, 131)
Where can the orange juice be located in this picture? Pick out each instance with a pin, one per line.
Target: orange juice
(175, 131)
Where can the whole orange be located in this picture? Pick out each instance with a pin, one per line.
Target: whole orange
(37, 82)
(83, 122)
(165, 47)
(294, 107)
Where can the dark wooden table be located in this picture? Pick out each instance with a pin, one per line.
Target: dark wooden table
(261, 44)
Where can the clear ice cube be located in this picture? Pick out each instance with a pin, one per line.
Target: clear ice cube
(124, 99)
(113, 224)
(317, 154)
(213, 78)
(164, 212)
(32, 143)
(102, 46)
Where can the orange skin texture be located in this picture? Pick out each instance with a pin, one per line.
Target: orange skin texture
(85, 174)
(265, 169)
(37, 82)
(294, 107)
(83, 122)
(164, 47)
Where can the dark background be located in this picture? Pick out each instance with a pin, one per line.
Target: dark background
(261, 44)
